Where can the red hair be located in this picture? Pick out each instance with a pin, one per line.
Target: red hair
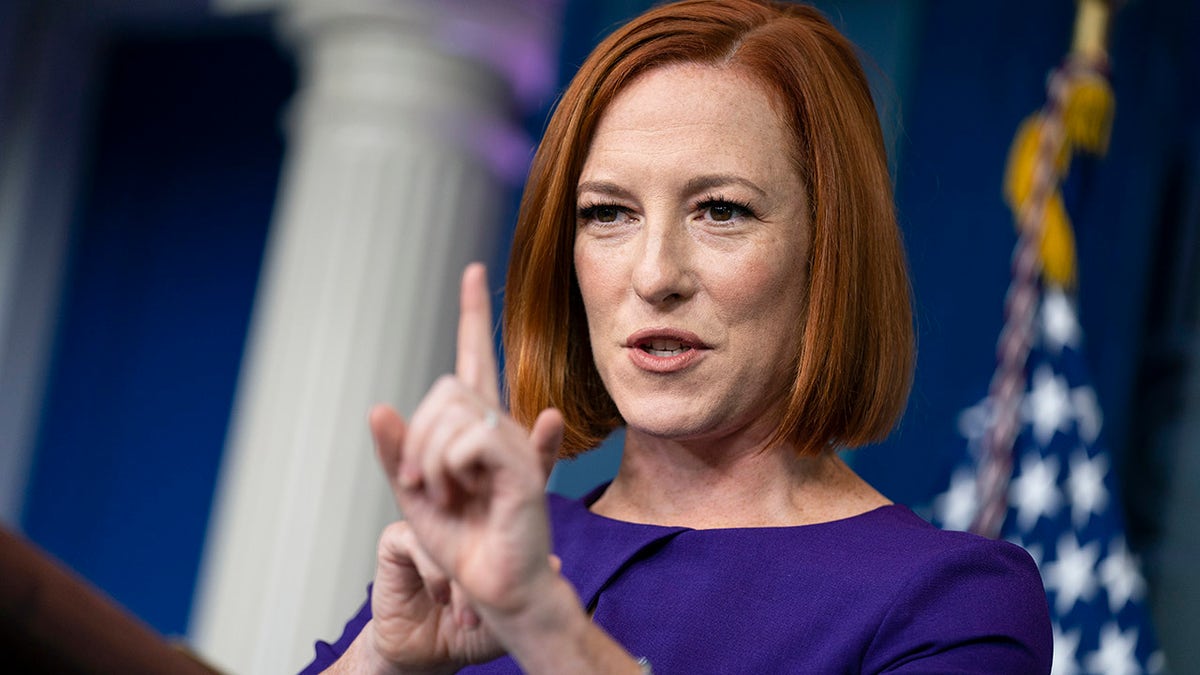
(854, 369)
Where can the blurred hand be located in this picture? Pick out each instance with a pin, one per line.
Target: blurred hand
(420, 622)
(475, 546)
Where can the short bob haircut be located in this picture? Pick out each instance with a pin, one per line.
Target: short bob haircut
(854, 369)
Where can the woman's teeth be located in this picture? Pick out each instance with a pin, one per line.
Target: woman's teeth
(664, 348)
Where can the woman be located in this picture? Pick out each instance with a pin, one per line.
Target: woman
(706, 254)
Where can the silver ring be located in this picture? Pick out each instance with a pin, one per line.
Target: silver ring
(490, 419)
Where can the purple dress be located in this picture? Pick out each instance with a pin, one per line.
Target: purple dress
(883, 591)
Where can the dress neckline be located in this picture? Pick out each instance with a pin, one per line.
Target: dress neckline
(592, 496)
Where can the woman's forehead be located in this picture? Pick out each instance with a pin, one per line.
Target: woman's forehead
(690, 117)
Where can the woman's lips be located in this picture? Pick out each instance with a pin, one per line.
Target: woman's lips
(664, 350)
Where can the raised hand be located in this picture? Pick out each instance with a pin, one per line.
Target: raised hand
(470, 482)
(420, 623)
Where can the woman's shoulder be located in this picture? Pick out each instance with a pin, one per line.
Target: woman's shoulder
(962, 601)
(923, 599)
(948, 601)
(919, 556)
(904, 560)
(898, 534)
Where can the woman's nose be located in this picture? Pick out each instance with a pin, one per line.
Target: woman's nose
(663, 270)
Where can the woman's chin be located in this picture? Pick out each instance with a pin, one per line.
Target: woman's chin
(668, 424)
(662, 431)
(671, 427)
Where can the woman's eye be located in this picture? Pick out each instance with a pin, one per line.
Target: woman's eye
(603, 214)
(723, 212)
(606, 214)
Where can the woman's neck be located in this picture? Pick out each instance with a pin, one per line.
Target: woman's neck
(705, 485)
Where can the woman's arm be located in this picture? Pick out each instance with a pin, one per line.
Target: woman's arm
(362, 658)
(976, 608)
(558, 637)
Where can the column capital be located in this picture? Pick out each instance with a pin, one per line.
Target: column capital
(460, 66)
(383, 55)
(516, 39)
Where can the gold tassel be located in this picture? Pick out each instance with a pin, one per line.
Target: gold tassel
(1023, 157)
(1086, 108)
(1056, 244)
(1018, 172)
(1088, 104)
(1088, 112)
(1057, 247)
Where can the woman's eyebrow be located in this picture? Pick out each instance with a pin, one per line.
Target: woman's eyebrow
(697, 184)
(605, 188)
(716, 180)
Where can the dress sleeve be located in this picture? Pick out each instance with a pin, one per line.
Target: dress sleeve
(979, 608)
(327, 654)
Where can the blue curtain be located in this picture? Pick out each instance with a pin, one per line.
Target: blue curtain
(165, 257)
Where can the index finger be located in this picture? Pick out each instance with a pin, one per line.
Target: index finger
(476, 362)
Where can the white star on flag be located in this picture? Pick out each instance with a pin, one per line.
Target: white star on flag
(1119, 574)
(973, 423)
(1115, 655)
(1065, 646)
(1060, 328)
(1035, 492)
(955, 508)
(1085, 485)
(1071, 575)
(1048, 405)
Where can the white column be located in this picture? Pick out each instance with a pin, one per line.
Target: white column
(386, 195)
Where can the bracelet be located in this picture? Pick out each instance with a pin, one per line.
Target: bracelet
(645, 666)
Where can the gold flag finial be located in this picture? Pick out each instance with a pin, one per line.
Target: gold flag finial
(1091, 30)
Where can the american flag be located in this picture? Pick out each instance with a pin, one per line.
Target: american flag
(1063, 505)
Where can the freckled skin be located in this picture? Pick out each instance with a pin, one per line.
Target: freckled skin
(656, 252)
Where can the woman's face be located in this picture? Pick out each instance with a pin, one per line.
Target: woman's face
(690, 252)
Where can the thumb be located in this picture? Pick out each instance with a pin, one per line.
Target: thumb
(388, 429)
(547, 436)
